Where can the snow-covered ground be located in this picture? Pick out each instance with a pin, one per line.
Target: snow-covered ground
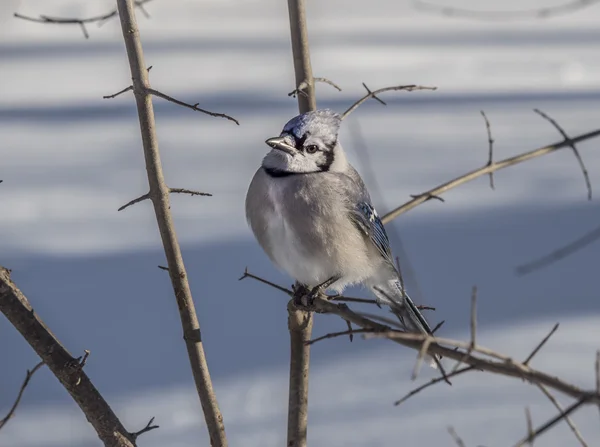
(69, 159)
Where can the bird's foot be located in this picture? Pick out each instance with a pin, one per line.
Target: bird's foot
(305, 297)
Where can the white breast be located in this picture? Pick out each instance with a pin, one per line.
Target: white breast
(286, 247)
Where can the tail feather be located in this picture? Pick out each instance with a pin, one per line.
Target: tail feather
(407, 312)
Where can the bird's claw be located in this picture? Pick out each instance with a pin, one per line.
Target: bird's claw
(305, 297)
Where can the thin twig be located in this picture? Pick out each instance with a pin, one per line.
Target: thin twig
(327, 81)
(457, 439)
(586, 175)
(171, 190)
(81, 22)
(373, 94)
(154, 92)
(541, 344)
(473, 343)
(247, 274)
(351, 334)
(348, 299)
(537, 13)
(568, 420)
(192, 106)
(486, 170)
(134, 201)
(189, 191)
(560, 253)
(146, 429)
(549, 424)
(159, 195)
(490, 147)
(433, 382)
(12, 410)
(302, 86)
(338, 334)
(529, 423)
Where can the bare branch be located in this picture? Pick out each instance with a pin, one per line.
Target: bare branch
(373, 94)
(529, 423)
(586, 175)
(12, 410)
(327, 81)
(81, 22)
(159, 195)
(338, 334)
(299, 321)
(457, 439)
(120, 92)
(473, 343)
(549, 424)
(541, 344)
(247, 274)
(498, 364)
(568, 420)
(302, 86)
(171, 190)
(433, 382)
(134, 201)
(151, 91)
(146, 429)
(490, 147)
(486, 170)
(188, 191)
(191, 106)
(537, 13)
(67, 369)
(348, 299)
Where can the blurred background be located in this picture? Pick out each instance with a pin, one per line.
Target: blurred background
(69, 159)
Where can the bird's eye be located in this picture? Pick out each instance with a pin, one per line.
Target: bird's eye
(311, 149)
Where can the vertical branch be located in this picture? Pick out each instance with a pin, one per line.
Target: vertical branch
(159, 194)
(299, 321)
(301, 53)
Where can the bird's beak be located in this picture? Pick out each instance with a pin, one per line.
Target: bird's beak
(281, 144)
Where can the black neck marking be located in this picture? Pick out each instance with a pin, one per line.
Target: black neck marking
(278, 173)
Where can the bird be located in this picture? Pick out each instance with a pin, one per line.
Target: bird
(311, 213)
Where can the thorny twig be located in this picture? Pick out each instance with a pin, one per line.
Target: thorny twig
(568, 420)
(171, 190)
(550, 423)
(482, 358)
(486, 170)
(101, 19)
(146, 429)
(12, 410)
(194, 107)
(300, 89)
(586, 175)
(537, 13)
(473, 327)
(490, 147)
(373, 94)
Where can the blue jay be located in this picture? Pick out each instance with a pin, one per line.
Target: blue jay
(311, 213)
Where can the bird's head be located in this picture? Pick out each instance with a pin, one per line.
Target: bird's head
(308, 143)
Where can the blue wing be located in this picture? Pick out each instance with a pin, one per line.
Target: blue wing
(369, 222)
